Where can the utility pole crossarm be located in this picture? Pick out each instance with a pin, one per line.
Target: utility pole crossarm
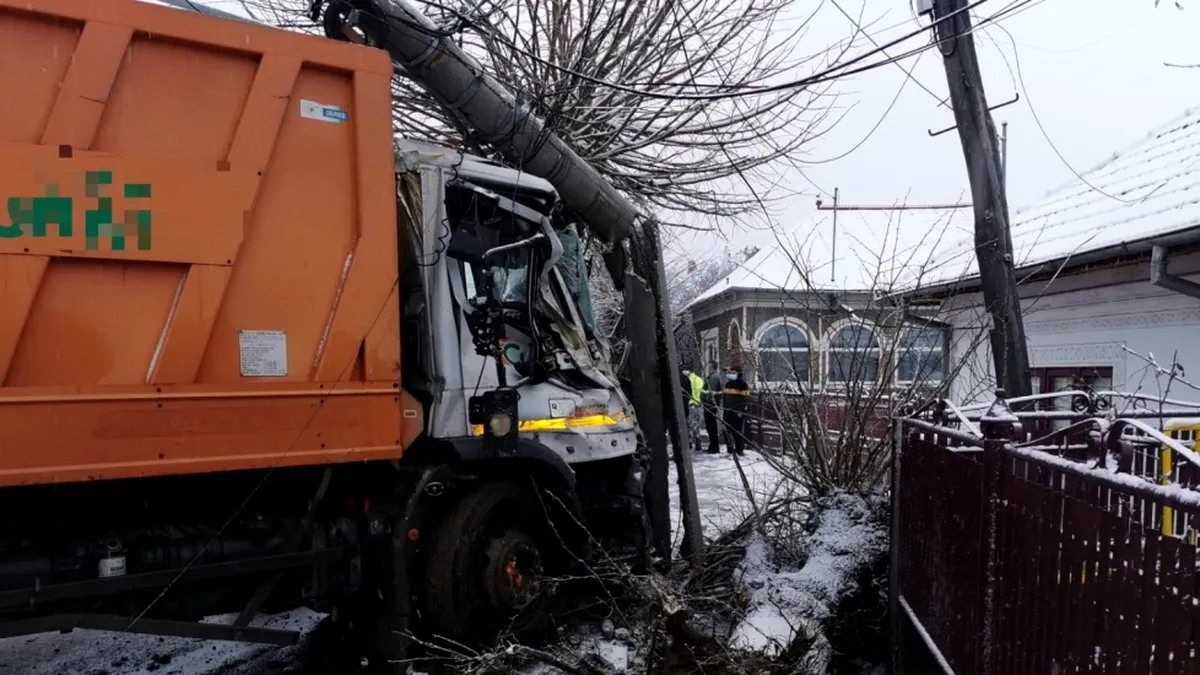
(948, 129)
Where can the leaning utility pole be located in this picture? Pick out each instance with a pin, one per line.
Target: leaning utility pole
(428, 56)
(993, 240)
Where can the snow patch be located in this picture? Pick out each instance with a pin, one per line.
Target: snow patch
(87, 652)
(789, 605)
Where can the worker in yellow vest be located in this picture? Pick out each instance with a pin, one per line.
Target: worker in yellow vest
(691, 394)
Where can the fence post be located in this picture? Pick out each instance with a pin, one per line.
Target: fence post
(895, 634)
(999, 427)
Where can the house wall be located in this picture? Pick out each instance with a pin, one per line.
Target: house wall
(1106, 317)
(749, 312)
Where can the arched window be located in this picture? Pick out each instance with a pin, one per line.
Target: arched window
(853, 354)
(783, 354)
(921, 355)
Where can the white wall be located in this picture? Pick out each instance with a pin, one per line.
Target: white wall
(1071, 324)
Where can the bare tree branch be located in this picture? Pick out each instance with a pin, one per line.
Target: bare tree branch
(669, 155)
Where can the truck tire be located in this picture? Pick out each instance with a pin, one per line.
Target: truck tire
(490, 568)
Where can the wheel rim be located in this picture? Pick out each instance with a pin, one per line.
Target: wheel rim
(514, 573)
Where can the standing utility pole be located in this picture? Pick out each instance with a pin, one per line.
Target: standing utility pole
(833, 244)
(993, 241)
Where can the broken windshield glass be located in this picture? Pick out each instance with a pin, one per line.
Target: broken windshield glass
(573, 269)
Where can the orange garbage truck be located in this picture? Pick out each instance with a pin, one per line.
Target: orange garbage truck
(255, 352)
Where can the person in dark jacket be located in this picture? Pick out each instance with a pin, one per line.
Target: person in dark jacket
(714, 384)
(736, 398)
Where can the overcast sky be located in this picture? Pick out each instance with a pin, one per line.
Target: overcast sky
(1092, 71)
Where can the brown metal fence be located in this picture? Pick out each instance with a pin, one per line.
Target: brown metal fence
(1010, 560)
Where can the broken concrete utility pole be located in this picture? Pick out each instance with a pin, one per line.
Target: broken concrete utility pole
(428, 56)
(993, 240)
(466, 91)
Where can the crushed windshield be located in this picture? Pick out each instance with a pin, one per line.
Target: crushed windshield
(573, 268)
(511, 276)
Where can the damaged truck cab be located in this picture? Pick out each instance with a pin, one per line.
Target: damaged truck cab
(255, 353)
(512, 334)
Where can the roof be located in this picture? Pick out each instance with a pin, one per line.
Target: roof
(1144, 192)
(880, 251)
(1150, 189)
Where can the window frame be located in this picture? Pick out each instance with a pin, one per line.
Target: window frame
(1047, 374)
(710, 346)
(829, 351)
(735, 343)
(941, 348)
(811, 350)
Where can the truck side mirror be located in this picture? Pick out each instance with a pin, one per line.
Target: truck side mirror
(465, 247)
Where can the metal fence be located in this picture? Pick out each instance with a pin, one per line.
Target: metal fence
(1014, 555)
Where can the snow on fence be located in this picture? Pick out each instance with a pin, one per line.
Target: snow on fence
(1018, 555)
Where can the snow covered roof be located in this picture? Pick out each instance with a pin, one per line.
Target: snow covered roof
(881, 250)
(1150, 189)
(1147, 191)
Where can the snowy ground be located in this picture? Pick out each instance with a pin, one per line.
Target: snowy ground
(722, 504)
(88, 652)
(720, 492)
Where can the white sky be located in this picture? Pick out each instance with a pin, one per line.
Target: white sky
(1093, 72)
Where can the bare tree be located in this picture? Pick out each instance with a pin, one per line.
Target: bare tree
(824, 399)
(623, 84)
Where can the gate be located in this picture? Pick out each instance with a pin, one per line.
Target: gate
(1009, 556)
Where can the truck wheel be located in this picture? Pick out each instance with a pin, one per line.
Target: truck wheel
(490, 567)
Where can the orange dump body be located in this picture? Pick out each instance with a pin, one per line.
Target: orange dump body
(198, 259)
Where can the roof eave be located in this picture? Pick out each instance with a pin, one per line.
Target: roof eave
(1181, 237)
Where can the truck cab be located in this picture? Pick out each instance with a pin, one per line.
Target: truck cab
(492, 239)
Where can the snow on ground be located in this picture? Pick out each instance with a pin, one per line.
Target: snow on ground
(86, 652)
(719, 491)
(845, 539)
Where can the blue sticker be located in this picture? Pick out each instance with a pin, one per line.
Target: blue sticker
(325, 113)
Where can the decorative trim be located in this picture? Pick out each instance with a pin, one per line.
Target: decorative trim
(1084, 354)
(1145, 319)
(813, 340)
(836, 326)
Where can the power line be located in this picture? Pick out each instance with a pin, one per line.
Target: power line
(878, 124)
(1020, 79)
(908, 73)
(829, 74)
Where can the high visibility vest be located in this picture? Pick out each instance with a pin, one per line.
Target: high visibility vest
(697, 387)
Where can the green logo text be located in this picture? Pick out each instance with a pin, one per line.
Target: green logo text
(31, 216)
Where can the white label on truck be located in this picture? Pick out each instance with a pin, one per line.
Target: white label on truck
(562, 407)
(264, 353)
(112, 567)
(325, 113)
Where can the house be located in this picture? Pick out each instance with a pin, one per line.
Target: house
(824, 307)
(820, 323)
(1107, 266)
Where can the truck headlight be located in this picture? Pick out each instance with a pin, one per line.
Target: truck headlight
(500, 424)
